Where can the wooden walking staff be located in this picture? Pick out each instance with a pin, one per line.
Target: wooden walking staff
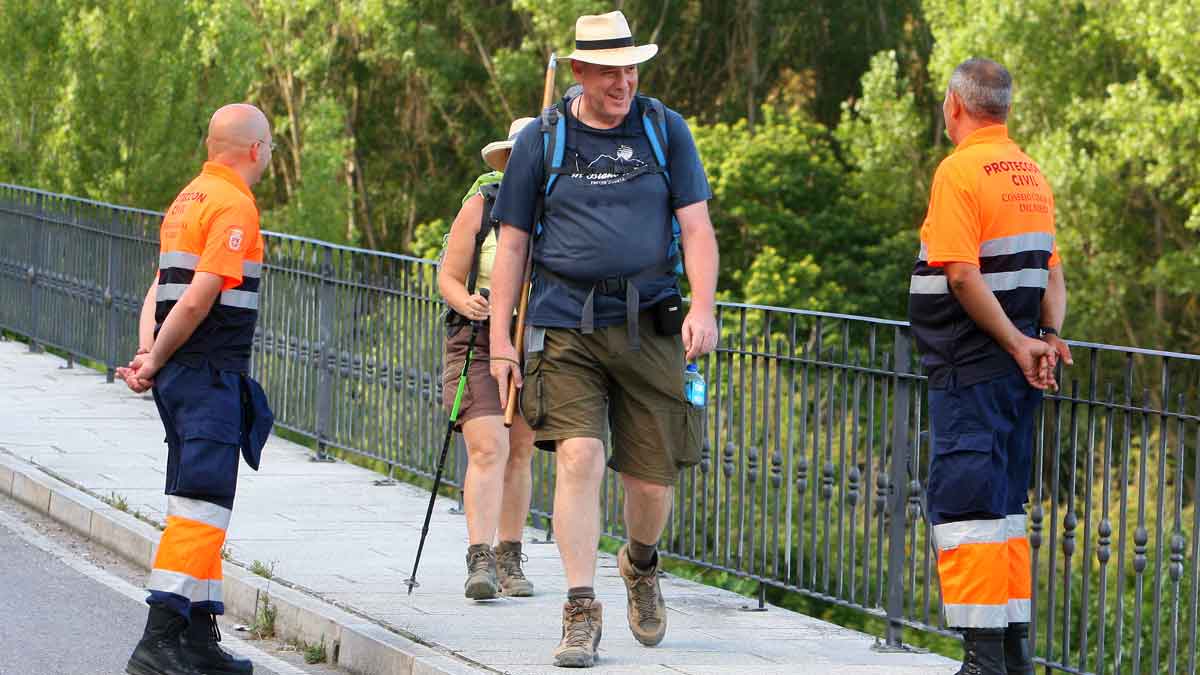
(511, 410)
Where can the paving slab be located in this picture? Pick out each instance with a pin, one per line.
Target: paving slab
(336, 536)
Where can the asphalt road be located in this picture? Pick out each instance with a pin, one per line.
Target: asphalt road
(69, 608)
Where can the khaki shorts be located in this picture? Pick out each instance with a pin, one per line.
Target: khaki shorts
(580, 386)
(482, 395)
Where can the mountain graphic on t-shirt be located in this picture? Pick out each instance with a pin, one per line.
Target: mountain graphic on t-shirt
(607, 167)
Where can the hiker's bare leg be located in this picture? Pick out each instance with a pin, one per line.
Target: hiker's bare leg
(580, 465)
(514, 507)
(647, 508)
(487, 451)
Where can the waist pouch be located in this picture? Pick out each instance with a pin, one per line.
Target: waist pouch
(668, 316)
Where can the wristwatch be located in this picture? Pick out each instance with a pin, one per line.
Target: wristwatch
(1043, 331)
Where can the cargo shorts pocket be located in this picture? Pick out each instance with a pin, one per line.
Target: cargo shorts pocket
(962, 478)
(533, 392)
(208, 459)
(689, 432)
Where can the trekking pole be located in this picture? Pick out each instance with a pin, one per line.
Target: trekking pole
(411, 582)
(510, 410)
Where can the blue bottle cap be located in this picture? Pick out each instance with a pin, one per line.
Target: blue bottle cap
(693, 368)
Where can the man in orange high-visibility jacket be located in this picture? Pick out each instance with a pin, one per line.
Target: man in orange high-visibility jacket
(986, 302)
(196, 328)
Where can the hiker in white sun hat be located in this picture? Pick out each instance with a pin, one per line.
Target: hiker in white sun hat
(496, 490)
(612, 190)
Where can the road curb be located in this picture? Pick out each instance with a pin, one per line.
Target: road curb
(353, 642)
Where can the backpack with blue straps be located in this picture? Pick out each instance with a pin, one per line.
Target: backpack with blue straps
(668, 315)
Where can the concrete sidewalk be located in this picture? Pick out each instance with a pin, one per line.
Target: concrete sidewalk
(330, 532)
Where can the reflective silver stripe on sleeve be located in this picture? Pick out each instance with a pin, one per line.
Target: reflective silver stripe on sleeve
(180, 259)
(168, 292)
(929, 285)
(240, 299)
(1008, 281)
(199, 511)
(924, 254)
(251, 269)
(1030, 241)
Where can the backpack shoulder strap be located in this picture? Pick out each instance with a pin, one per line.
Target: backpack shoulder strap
(654, 122)
(554, 143)
(487, 224)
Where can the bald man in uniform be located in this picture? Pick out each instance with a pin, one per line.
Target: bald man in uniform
(195, 333)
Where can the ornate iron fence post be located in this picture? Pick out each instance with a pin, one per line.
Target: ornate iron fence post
(326, 361)
(31, 276)
(898, 498)
(110, 307)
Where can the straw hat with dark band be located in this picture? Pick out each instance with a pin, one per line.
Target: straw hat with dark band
(605, 39)
(493, 153)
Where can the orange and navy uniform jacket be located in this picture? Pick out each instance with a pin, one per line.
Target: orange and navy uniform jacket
(213, 226)
(989, 206)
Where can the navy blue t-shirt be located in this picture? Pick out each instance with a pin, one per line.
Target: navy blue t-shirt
(611, 216)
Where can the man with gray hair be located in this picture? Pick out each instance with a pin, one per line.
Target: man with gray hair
(986, 302)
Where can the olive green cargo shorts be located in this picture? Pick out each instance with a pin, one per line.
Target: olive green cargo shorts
(580, 386)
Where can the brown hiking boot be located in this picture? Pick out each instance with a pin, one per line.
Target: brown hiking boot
(508, 567)
(646, 609)
(481, 573)
(582, 623)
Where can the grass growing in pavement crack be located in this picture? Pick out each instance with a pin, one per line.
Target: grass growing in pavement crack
(262, 569)
(264, 621)
(315, 653)
(118, 502)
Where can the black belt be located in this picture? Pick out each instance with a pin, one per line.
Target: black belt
(624, 284)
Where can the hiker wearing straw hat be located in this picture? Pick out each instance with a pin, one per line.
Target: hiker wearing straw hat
(497, 486)
(611, 188)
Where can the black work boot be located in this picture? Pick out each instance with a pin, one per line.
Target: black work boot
(200, 646)
(158, 652)
(983, 651)
(1018, 655)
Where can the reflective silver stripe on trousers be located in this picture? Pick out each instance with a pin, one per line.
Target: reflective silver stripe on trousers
(1015, 526)
(977, 616)
(199, 511)
(1019, 611)
(953, 535)
(167, 292)
(996, 281)
(1030, 241)
(196, 590)
(180, 259)
(251, 269)
(240, 299)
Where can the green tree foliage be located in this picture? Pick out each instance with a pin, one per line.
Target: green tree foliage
(818, 121)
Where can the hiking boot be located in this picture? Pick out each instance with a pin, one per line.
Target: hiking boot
(199, 644)
(983, 651)
(508, 566)
(583, 620)
(1018, 658)
(481, 573)
(646, 609)
(158, 652)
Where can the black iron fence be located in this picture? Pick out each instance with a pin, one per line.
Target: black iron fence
(815, 455)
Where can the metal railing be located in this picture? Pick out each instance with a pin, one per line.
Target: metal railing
(814, 460)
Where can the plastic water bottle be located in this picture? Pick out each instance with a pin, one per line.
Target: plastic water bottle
(694, 389)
